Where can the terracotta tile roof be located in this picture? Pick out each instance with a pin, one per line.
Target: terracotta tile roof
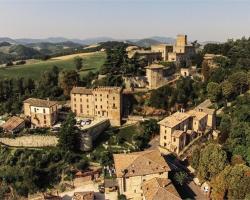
(87, 91)
(159, 189)
(174, 119)
(110, 89)
(140, 163)
(12, 123)
(81, 90)
(178, 133)
(40, 102)
(84, 196)
(197, 114)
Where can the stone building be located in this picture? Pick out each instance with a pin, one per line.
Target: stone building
(159, 189)
(210, 60)
(90, 132)
(164, 49)
(13, 125)
(155, 76)
(133, 169)
(180, 51)
(180, 128)
(42, 113)
(100, 102)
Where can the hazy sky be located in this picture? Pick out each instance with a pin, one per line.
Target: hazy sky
(199, 19)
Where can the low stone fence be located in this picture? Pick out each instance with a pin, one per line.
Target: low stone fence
(30, 141)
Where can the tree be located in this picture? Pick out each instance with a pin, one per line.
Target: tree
(68, 79)
(239, 81)
(68, 134)
(214, 91)
(227, 89)
(232, 183)
(195, 157)
(122, 197)
(181, 177)
(205, 70)
(78, 63)
(212, 161)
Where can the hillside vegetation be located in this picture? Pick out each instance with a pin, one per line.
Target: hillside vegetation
(92, 62)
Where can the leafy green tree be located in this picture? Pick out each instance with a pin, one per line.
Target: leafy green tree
(212, 161)
(181, 177)
(214, 91)
(68, 134)
(68, 79)
(239, 81)
(195, 158)
(232, 183)
(78, 63)
(227, 89)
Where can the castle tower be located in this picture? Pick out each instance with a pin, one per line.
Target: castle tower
(181, 40)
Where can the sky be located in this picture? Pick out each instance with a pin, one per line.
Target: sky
(202, 20)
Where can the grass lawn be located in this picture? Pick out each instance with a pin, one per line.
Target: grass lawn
(92, 62)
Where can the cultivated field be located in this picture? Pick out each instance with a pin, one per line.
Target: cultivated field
(92, 62)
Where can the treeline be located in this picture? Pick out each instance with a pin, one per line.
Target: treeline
(187, 92)
(225, 163)
(118, 64)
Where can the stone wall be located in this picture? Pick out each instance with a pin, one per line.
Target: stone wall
(30, 141)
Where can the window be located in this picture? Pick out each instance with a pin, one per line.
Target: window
(174, 139)
(165, 144)
(44, 117)
(87, 100)
(96, 106)
(81, 100)
(113, 105)
(44, 110)
(107, 96)
(165, 137)
(87, 106)
(113, 98)
(45, 122)
(74, 99)
(101, 106)
(100, 99)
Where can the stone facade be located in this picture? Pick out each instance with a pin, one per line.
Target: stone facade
(133, 169)
(91, 132)
(180, 128)
(155, 76)
(180, 51)
(101, 102)
(42, 113)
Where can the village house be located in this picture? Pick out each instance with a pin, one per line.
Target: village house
(13, 125)
(159, 189)
(210, 60)
(42, 113)
(180, 128)
(100, 102)
(133, 169)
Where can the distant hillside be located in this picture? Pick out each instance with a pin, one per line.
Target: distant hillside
(53, 48)
(6, 39)
(23, 52)
(146, 42)
(165, 40)
(4, 44)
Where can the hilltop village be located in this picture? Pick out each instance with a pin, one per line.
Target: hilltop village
(154, 123)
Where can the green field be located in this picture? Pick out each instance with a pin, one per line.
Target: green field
(91, 63)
